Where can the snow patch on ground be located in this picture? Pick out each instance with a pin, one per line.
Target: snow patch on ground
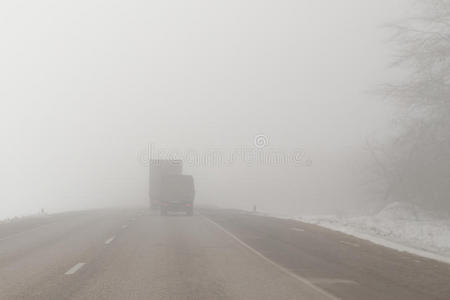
(401, 226)
(22, 217)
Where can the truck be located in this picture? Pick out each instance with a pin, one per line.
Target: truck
(177, 194)
(159, 169)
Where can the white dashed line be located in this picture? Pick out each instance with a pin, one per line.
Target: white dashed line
(350, 244)
(108, 241)
(75, 269)
(298, 229)
(124, 226)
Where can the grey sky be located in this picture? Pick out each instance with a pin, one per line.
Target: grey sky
(86, 85)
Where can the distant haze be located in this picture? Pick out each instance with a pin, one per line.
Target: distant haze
(87, 86)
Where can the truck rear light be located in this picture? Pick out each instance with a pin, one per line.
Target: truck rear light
(188, 204)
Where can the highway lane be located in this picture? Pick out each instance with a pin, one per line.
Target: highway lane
(34, 255)
(343, 265)
(218, 254)
(138, 255)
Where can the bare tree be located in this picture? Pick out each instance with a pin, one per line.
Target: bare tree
(416, 165)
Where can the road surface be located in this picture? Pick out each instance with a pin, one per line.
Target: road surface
(216, 254)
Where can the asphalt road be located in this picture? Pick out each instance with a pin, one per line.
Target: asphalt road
(218, 254)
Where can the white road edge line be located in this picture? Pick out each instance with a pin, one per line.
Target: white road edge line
(75, 269)
(108, 241)
(298, 229)
(283, 269)
(333, 281)
(350, 244)
(124, 226)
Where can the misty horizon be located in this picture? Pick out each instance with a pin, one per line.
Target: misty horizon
(87, 87)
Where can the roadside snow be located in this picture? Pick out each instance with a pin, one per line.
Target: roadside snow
(22, 217)
(400, 226)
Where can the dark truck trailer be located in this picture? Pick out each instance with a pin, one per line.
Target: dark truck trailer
(159, 168)
(178, 194)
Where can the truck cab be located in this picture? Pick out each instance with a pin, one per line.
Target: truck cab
(177, 194)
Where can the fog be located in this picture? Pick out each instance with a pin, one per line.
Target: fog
(88, 88)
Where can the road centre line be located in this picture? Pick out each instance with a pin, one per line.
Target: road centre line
(75, 269)
(108, 241)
